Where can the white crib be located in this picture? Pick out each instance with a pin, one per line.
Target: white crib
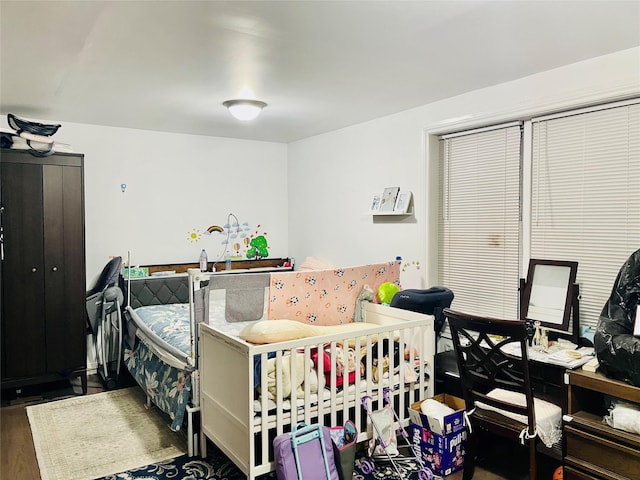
(233, 417)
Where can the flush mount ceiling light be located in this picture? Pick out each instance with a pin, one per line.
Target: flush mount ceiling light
(244, 109)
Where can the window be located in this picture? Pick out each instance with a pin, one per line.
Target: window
(479, 226)
(584, 202)
(585, 195)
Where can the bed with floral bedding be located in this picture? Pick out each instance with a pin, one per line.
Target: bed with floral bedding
(160, 344)
(166, 381)
(163, 316)
(161, 347)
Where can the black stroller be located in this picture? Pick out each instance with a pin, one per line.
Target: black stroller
(104, 313)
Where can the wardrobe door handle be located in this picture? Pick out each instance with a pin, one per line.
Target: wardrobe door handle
(54, 269)
(34, 270)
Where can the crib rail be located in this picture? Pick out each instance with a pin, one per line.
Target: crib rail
(251, 393)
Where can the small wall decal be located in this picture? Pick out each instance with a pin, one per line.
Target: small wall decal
(259, 248)
(194, 235)
(237, 238)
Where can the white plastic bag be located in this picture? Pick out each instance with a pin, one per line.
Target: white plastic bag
(624, 416)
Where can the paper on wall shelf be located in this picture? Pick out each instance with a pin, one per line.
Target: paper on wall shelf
(388, 200)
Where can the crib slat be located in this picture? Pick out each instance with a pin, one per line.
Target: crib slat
(331, 404)
(264, 409)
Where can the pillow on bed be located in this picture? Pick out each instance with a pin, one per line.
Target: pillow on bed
(312, 263)
(271, 331)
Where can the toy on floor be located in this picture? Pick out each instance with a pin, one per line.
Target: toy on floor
(384, 441)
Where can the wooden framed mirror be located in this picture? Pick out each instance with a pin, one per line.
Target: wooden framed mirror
(549, 295)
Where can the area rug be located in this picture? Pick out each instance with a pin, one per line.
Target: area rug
(218, 467)
(91, 436)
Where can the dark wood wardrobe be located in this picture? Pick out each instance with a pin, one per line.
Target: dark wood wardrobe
(43, 268)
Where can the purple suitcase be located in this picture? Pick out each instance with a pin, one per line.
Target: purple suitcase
(305, 454)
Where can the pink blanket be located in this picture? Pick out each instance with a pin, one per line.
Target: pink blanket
(325, 297)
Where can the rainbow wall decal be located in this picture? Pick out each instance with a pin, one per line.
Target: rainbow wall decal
(215, 228)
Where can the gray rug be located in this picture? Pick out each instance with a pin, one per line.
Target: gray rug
(91, 436)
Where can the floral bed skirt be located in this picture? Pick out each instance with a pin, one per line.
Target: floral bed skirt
(169, 388)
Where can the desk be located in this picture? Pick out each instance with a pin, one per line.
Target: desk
(547, 374)
(559, 353)
(548, 369)
(547, 381)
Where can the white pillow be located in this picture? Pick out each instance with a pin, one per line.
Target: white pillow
(312, 263)
(271, 331)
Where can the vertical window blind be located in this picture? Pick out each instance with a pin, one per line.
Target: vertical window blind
(479, 219)
(585, 203)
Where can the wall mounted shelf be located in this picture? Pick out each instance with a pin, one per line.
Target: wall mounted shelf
(402, 204)
(391, 214)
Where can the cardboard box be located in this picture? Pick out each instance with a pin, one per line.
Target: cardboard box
(442, 442)
(443, 454)
(451, 423)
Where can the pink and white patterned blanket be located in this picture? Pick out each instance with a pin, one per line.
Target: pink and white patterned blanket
(325, 297)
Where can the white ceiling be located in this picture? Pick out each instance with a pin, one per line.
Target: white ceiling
(320, 65)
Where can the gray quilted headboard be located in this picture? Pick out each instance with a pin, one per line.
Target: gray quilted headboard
(158, 290)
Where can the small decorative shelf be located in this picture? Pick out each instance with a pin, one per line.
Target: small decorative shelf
(391, 214)
(402, 204)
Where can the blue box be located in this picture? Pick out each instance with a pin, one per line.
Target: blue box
(442, 454)
(442, 441)
(451, 423)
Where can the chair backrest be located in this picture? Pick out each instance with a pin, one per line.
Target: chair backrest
(108, 277)
(484, 366)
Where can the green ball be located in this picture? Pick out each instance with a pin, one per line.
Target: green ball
(386, 291)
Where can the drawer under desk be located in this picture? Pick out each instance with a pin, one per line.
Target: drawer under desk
(595, 448)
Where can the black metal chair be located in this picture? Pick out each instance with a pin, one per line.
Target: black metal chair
(496, 386)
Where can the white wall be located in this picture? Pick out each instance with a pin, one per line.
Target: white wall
(175, 184)
(333, 176)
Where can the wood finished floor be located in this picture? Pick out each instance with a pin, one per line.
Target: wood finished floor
(17, 453)
(18, 458)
